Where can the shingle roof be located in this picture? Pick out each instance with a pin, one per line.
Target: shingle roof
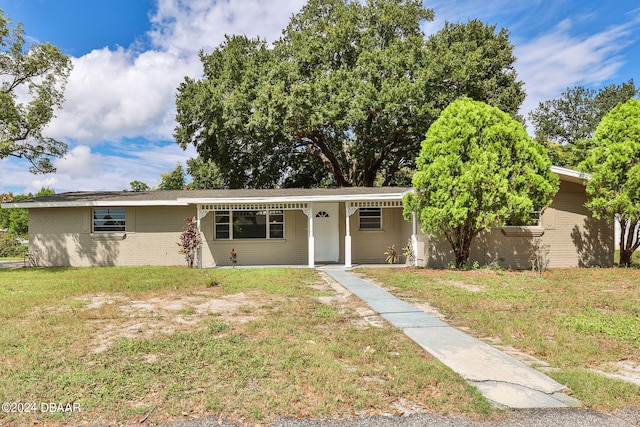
(186, 197)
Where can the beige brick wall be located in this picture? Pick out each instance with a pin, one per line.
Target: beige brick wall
(62, 237)
(292, 250)
(573, 236)
(369, 246)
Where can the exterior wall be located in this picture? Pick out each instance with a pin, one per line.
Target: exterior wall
(574, 239)
(63, 237)
(369, 246)
(292, 250)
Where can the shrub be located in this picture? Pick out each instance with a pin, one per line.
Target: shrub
(10, 246)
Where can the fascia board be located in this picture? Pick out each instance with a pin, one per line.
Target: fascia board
(97, 203)
(296, 199)
(186, 201)
(571, 175)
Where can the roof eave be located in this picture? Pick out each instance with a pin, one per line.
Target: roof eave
(296, 199)
(84, 204)
(571, 175)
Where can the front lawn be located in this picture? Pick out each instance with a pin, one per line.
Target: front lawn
(578, 323)
(159, 344)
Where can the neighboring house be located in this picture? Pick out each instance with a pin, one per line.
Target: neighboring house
(290, 227)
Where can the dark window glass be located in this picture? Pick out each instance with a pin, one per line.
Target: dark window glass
(249, 225)
(109, 220)
(370, 219)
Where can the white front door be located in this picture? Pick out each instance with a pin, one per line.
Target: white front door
(326, 229)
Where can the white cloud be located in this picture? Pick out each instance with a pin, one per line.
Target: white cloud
(553, 61)
(181, 26)
(116, 94)
(79, 163)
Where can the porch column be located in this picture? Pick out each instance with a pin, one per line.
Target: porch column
(201, 213)
(310, 239)
(347, 237)
(414, 238)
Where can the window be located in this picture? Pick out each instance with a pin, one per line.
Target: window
(222, 225)
(249, 224)
(109, 220)
(534, 220)
(276, 224)
(370, 219)
(531, 227)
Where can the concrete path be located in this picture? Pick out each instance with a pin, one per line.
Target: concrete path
(12, 264)
(503, 380)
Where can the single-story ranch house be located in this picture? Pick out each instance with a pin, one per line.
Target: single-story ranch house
(292, 227)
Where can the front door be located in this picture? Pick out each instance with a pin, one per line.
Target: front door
(326, 229)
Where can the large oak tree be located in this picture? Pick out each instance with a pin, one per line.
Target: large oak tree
(31, 88)
(344, 97)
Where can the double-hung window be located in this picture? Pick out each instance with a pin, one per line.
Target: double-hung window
(370, 219)
(258, 224)
(109, 220)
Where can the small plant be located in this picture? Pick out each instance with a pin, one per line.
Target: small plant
(407, 251)
(211, 283)
(190, 241)
(217, 326)
(539, 257)
(392, 255)
(233, 257)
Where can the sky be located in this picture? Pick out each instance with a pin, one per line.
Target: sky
(129, 56)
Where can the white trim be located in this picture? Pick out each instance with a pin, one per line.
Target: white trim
(522, 230)
(570, 174)
(386, 199)
(374, 198)
(311, 245)
(94, 204)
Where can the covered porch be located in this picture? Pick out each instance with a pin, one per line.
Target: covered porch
(345, 226)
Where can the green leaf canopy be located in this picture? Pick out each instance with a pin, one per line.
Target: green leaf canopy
(344, 97)
(614, 164)
(478, 168)
(39, 74)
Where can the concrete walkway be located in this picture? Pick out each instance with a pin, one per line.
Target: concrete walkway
(503, 380)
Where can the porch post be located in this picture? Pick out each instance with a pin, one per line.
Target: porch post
(199, 216)
(310, 240)
(414, 238)
(349, 210)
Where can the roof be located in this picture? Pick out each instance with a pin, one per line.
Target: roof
(190, 197)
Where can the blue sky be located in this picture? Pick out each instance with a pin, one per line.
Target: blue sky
(130, 55)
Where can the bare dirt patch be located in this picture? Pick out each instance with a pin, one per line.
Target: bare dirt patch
(114, 317)
(366, 317)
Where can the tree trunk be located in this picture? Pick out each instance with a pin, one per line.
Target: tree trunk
(629, 240)
(460, 240)
(625, 257)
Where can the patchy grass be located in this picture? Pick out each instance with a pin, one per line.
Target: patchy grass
(165, 343)
(576, 320)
